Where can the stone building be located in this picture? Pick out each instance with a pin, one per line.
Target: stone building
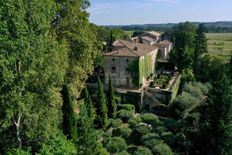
(117, 64)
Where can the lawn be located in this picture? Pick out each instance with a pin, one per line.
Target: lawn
(220, 44)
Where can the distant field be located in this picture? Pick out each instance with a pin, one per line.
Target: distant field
(220, 44)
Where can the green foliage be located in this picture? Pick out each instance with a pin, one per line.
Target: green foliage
(122, 130)
(221, 114)
(125, 115)
(128, 107)
(101, 106)
(149, 118)
(200, 47)
(57, 144)
(17, 152)
(151, 139)
(116, 144)
(143, 151)
(32, 68)
(112, 108)
(133, 122)
(71, 25)
(162, 149)
(69, 117)
(89, 105)
(187, 76)
(161, 81)
(182, 53)
(192, 97)
(135, 72)
(87, 142)
(122, 153)
(115, 122)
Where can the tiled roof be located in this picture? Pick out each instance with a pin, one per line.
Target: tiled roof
(148, 38)
(130, 49)
(163, 44)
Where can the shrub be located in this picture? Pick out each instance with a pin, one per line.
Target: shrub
(124, 115)
(138, 132)
(18, 152)
(128, 107)
(168, 137)
(122, 153)
(162, 149)
(123, 131)
(133, 122)
(150, 140)
(150, 118)
(115, 122)
(116, 144)
(143, 151)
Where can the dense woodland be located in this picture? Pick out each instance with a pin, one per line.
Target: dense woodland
(211, 27)
(49, 49)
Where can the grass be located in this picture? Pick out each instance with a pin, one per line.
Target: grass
(220, 44)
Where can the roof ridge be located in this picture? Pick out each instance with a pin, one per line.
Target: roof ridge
(129, 48)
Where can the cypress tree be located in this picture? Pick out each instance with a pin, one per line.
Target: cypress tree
(69, 118)
(111, 100)
(89, 105)
(221, 115)
(200, 47)
(230, 67)
(101, 106)
(87, 137)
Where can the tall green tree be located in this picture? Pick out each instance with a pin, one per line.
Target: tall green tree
(200, 47)
(89, 105)
(71, 25)
(230, 67)
(101, 106)
(32, 67)
(182, 53)
(69, 116)
(87, 142)
(111, 100)
(220, 115)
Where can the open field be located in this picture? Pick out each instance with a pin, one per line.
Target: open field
(220, 44)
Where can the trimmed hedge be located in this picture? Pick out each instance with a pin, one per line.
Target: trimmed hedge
(123, 131)
(150, 118)
(125, 115)
(143, 151)
(128, 107)
(162, 149)
(116, 144)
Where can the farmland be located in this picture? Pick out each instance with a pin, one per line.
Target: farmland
(220, 44)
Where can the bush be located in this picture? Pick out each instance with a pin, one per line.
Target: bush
(116, 144)
(115, 122)
(143, 151)
(150, 140)
(133, 122)
(125, 115)
(122, 153)
(150, 118)
(123, 131)
(128, 107)
(168, 137)
(138, 132)
(18, 152)
(162, 149)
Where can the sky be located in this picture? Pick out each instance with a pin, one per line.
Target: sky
(127, 12)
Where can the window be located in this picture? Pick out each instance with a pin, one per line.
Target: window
(113, 59)
(127, 69)
(113, 69)
(127, 60)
